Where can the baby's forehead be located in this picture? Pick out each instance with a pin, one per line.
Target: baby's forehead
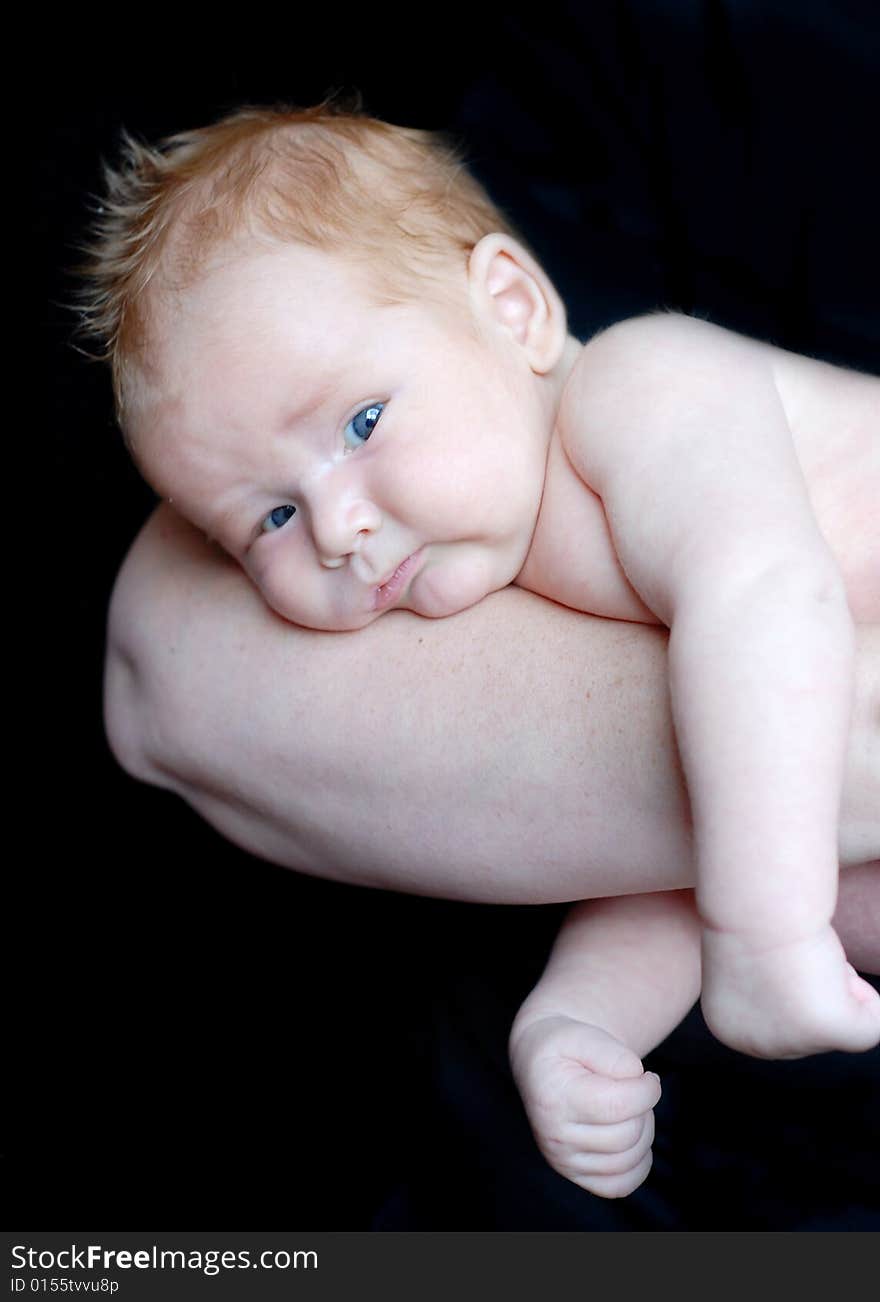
(258, 308)
(247, 274)
(254, 311)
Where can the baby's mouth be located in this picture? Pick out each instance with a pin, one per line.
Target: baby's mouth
(387, 593)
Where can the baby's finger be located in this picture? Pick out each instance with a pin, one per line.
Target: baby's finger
(616, 1186)
(597, 1100)
(592, 1161)
(614, 1138)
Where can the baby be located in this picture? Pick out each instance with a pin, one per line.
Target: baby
(332, 353)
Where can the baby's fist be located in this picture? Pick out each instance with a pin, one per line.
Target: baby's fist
(589, 1102)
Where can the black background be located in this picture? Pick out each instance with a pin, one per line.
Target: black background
(199, 1037)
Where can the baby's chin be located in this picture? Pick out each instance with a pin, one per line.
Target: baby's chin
(330, 623)
(321, 621)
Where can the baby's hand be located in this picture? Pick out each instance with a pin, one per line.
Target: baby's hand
(786, 1000)
(589, 1103)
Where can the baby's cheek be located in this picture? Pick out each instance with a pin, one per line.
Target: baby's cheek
(453, 584)
(271, 577)
(293, 590)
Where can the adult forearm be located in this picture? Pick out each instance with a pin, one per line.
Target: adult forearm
(519, 752)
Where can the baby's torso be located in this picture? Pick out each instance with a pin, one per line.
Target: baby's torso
(834, 415)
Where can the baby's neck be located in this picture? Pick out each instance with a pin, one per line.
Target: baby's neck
(559, 376)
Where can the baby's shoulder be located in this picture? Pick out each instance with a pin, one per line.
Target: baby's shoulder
(655, 369)
(669, 348)
(649, 344)
(646, 370)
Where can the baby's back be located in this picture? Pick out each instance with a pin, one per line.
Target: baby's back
(834, 416)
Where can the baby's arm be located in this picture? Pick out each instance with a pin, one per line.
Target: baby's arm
(622, 975)
(680, 429)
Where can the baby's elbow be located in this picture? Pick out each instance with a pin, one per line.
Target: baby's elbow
(815, 589)
(806, 605)
(821, 586)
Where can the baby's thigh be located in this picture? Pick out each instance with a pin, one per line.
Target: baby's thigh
(858, 550)
(860, 813)
(857, 919)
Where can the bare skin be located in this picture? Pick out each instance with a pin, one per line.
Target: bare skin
(759, 570)
(531, 757)
(576, 1040)
(664, 472)
(547, 733)
(460, 450)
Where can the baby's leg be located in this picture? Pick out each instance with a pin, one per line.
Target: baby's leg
(622, 974)
(857, 920)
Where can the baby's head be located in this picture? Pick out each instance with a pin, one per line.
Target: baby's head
(332, 354)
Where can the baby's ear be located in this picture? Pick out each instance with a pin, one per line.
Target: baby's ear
(510, 289)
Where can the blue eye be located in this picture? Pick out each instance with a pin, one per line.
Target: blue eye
(361, 426)
(278, 518)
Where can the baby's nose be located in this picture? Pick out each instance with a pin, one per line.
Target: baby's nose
(340, 527)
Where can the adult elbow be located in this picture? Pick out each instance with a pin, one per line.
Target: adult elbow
(123, 715)
(131, 715)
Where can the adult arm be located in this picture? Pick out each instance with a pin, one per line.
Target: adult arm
(517, 753)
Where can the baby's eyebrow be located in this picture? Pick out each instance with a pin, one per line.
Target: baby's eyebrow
(316, 399)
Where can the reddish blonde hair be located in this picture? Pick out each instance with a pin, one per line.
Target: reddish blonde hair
(396, 201)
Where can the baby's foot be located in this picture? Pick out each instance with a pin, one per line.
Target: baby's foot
(786, 999)
(589, 1102)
